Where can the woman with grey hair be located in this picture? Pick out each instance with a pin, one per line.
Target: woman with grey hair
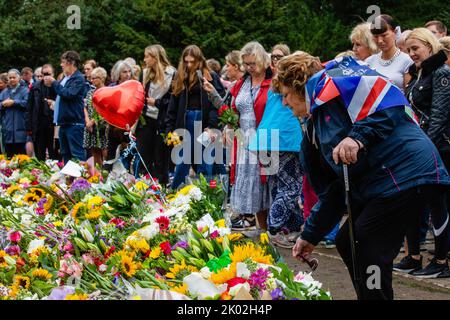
(122, 71)
(13, 107)
(249, 194)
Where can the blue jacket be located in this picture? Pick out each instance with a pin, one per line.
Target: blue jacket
(397, 156)
(13, 118)
(280, 117)
(72, 96)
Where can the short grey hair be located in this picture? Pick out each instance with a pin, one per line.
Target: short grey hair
(99, 72)
(14, 71)
(118, 68)
(254, 48)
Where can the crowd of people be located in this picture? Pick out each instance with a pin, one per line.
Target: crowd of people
(393, 161)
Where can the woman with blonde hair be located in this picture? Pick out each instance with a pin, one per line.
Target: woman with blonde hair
(249, 193)
(189, 104)
(390, 163)
(97, 130)
(429, 95)
(362, 41)
(158, 76)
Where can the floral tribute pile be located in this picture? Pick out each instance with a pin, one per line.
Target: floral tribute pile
(101, 237)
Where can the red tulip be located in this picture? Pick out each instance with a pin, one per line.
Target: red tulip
(15, 236)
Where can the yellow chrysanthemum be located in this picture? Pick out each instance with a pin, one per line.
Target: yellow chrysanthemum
(58, 223)
(141, 186)
(21, 282)
(137, 243)
(95, 202)
(93, 214)
(185, 190)
(94, 179)
(183, 289)
(13, 189)
(241, 253)
(41, 274)
(38, 192)
(178, 268)
(224, 275)
(31, 198)
(76, 297)
(156, 252)
(3, 256)
(128, 266)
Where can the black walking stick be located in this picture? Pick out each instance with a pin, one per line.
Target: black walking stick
(356, 273)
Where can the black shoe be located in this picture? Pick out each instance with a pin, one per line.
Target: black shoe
(444, 274)
(408, 264)
(432, 270)
(431, 251)
(245, 223)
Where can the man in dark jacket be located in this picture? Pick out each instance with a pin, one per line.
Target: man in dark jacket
(69, 107)
(13, 107)
(40, 127)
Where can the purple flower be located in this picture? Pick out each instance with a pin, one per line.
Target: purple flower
(79, 185)
(181, 244)
(60, 293)
(13, 250)
(277, 294)
(258, 279)
(42, 202)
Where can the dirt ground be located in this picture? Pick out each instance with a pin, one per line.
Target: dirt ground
(334, 276)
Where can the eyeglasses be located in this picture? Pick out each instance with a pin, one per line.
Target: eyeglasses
(276, 57)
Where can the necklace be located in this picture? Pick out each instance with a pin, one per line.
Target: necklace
(388, 62)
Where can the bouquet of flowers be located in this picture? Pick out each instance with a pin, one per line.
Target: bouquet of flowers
(228, 116)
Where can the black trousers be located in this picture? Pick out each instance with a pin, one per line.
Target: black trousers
(437, 203)
(153, 150)
(379, 226)
(44, 141)
(14, 148)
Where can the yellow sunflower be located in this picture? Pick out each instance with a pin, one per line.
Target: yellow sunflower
(31, 198)
(3, 256)
(179, 268)
(21, 282)
(224, 275)
(41, 274)
(76, 208)
(48, 205)
(12, 189)
(128, 266)
(38, 192)
(64, 210)
(250, 251)
(95, 202)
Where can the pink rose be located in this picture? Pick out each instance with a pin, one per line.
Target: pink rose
(15, 236)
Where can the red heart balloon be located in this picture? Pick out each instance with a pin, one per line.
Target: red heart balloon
(120, 105)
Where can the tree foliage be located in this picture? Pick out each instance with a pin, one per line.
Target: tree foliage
(34, 32)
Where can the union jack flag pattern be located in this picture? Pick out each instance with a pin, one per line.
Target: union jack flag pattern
(362, 89)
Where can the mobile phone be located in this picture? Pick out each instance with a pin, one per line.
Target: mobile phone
(200, 75)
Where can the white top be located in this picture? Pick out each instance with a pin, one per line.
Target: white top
(394, 71)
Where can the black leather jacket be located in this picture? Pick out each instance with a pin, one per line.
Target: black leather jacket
(429, 95)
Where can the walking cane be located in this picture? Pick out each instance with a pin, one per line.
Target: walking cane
(356, 274)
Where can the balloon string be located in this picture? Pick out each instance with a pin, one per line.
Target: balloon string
(128, 151)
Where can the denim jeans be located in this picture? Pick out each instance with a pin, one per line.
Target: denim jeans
(71, 142)
(332, 235)
(182, 169)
